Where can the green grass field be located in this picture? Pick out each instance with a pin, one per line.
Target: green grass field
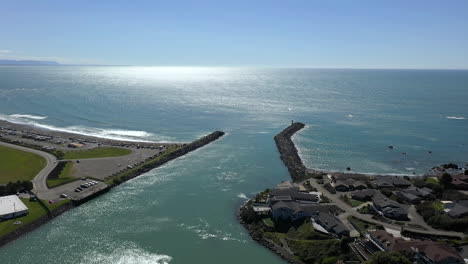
(36, 210)
(97, 153)
(19, 165)
(64, 177)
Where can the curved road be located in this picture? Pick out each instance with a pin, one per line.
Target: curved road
(39, 182)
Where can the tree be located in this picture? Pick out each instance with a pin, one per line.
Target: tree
(388, 258)
(446, 180)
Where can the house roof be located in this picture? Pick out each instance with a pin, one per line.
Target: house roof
(437, 251)
(291, 205)
(420, 192)
(385, 238)
(459, 209)
(383, 202)
(394, 211)
(407, 196)
(366, 193)
(294, 193)
(330, 223)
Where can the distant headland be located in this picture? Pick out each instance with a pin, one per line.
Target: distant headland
(28, 62)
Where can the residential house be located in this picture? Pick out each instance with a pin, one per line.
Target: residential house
(391, 181)
(293, 194)
(363, 195)
(330, 223)
(459, 210)
(389, 208)
(293, 211)
(460, 182)
(419, 251)
(408, 197)
(423, 193)
(348, 185)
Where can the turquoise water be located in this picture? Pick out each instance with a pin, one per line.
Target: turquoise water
(184, 212)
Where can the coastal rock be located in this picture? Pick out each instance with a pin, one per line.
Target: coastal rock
(288, 151)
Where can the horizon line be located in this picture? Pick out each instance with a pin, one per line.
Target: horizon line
(245, 66)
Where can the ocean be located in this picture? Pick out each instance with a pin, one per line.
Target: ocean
(184, 212)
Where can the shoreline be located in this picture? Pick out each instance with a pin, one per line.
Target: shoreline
(157, 161)
(75, 135)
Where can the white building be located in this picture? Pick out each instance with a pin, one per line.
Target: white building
(11, 207)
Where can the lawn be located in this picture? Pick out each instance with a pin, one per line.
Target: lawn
(438, 206)
(97, 153)
(361, 225)
(268, 222)
(64, 177)
(35, 211)
(17, 165)
(57, 204)
(432, 180)
(355, 203)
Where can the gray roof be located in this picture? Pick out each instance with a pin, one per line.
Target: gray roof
(391, 181)
(407, 196)
(394, 211)
(293, 206)
(330, 223)
(382, 202)
(366, 193)
(420, 192)
(460, 209)
(293, 193)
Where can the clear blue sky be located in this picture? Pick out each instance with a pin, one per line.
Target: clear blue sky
(278, 33)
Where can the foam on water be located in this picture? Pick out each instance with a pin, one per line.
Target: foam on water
(242, 196)
(126, 256)
(456, 117)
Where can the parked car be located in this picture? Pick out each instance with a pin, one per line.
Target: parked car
(63, 195)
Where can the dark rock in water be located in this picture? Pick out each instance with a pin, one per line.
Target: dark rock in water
(348, 168)
(414, 172)
(390, 147)
(429, 152)
(403, 153)
(450, 166)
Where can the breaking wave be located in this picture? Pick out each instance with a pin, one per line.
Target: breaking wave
(28, 116)
(115, 134)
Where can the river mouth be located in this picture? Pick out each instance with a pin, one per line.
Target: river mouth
(186, 209)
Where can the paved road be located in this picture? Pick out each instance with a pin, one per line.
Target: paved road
(352, 211)
(39, 182)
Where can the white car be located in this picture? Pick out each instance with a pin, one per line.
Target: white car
(63, 195)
